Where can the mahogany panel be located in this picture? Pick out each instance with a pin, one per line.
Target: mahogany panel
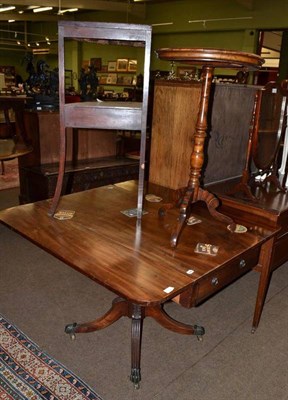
(104, 115)
(175, 112)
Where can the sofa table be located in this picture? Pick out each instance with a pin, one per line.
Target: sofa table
(133, 259)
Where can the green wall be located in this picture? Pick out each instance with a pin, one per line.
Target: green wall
(227, 32)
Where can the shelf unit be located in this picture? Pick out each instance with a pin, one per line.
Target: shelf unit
(9, 75)
(103, 115)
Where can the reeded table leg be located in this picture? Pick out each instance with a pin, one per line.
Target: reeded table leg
(136, 338)
(137, 313)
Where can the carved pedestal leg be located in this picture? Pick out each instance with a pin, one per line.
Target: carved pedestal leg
(119, 309)
(167, 322)
(194, 193)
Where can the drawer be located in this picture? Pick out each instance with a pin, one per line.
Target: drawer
(226, 274)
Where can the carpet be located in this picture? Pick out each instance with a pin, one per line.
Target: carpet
(27, 373)
(11, 177)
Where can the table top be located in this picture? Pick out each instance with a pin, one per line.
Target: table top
(213, 57)
(14, 99)
(18, 151)
(133, 259)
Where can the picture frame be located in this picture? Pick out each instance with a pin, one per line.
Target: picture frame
(112, 79)
(132, 65)
(112, 65)
(96, 63)
(127, 80)
(120, 80)
(103, 79)
(122, 64)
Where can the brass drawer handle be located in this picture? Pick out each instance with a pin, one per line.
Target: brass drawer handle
(242, 263)
(214, 281)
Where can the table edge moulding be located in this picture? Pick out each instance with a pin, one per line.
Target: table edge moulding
(99, 115)
(208, 59)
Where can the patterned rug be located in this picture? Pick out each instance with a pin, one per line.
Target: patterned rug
(27, 373)
(11, 177)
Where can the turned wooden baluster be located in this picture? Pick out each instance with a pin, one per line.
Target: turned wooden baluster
(194, 192)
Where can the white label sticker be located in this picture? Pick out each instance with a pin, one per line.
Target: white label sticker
(190, 272)
(168, 289)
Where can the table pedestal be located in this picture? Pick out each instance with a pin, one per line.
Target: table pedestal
(137, 313)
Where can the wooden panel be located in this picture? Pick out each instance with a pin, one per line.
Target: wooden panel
(43, 129)
(174, 119)
(105, 115)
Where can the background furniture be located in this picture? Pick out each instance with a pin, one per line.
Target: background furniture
(103, 115)
(269, 131)
(266, 134)
(14, 141)
(93, 158)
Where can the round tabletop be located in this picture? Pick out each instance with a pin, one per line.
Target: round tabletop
(17, 152)
(212, 57)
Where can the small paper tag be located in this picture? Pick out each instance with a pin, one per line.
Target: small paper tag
(193, 220)
(190, 272)
(168, 289)
(132, 212)
(153, 198)
(238, 228)
(64, 214)
(207, 249)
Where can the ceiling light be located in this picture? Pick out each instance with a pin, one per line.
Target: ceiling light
(20, 12)
(41, 9)
(67, 10)
(11, 20)
(218, 19)
(7, 8)
(41, 51)
(37, 44)
(162, 24)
